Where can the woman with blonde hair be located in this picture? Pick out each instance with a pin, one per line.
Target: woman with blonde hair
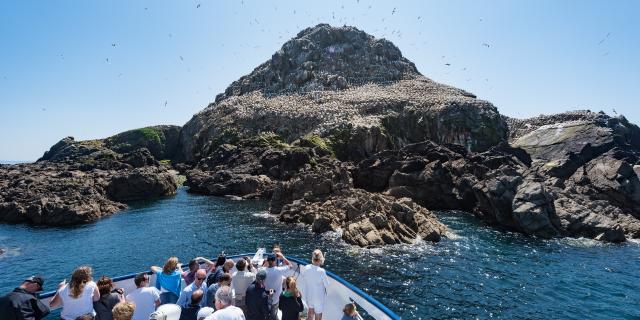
(123, 311)
(290, 300)
(78, 296)
(168, 280)
(314, 282)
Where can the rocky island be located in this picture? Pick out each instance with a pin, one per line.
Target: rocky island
(340, 132)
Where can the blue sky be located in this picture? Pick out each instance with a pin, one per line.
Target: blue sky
(56, 81)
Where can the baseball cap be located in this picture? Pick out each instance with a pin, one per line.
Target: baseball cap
(36, 279)
(261, 275)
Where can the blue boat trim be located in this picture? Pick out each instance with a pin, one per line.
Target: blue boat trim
(346, 283)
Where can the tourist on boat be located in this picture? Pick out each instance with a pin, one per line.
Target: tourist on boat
(78, 296)
(198, 283)
(275, 276)
(240, 281)
(314, 283)
(169, 280)
(224, 268)
(257, 299)
(22, 303)
(277, 249)
(205, 312)
(194, 265)
(290, 300)
(108, 299)
(225, 280)
(350, 312)
(144, 297)
(190, 311)
(216, 270)
(123, 311)
(225, 310)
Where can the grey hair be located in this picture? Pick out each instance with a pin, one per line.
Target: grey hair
(225, 295)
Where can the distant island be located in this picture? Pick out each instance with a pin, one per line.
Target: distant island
(339, 131)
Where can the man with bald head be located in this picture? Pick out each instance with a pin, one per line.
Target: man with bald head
(188, 291)
(190, 312)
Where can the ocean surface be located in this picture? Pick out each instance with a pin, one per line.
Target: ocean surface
(477, 272)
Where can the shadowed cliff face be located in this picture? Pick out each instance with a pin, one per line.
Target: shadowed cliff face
(353, 90)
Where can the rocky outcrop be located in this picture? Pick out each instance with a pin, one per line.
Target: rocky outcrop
(160, 141)
(358, 94)
(140, 184)
(53, 194)
(323, 196)
(599, 200)
(68, 193)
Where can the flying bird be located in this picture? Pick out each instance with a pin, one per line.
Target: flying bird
(181, 59)
(486, 44)
(394, 11)
(198, 6)
(447, 64)
(165, 103)
(107, 60)
(605, 38)
(113, 45)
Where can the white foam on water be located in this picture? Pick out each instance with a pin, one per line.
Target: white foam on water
(581, 242)
(266, 215)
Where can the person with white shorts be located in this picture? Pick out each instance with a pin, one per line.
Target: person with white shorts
(314, 281)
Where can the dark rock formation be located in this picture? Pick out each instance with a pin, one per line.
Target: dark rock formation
(355, 92)
(323, 197)
(600, 200)
(80, 187)
(160, 141)
(140, 184)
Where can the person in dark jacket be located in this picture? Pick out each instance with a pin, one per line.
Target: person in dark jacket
(257, 299)
(23, 303)
(290, 300)
(108, 299)
(190, 312)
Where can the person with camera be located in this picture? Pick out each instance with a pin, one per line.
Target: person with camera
(22, 303)
(256, 300)
(275, 276)
(108, 299)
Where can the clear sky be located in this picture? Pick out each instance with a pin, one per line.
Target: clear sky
(90, 69)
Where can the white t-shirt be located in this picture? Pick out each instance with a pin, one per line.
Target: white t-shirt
(228, 313)
(145, 300)
(240, 281)
(275, 275)
(74, 307)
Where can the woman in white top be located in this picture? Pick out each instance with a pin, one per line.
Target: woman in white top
(314, 280)
(78, 296)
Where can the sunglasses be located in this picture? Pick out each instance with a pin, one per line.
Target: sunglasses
(200, 279)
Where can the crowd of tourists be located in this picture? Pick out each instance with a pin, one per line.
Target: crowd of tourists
(220, 290)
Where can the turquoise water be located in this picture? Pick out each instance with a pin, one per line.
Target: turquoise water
(476, 273)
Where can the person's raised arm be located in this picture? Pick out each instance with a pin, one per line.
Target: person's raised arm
(156, 269)
(284, 259)
(208, 263)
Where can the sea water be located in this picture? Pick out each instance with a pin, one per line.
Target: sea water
(475, 272)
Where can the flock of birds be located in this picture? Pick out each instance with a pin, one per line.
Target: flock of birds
(395, 33)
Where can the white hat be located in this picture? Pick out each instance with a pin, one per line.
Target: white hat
(204, 312)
